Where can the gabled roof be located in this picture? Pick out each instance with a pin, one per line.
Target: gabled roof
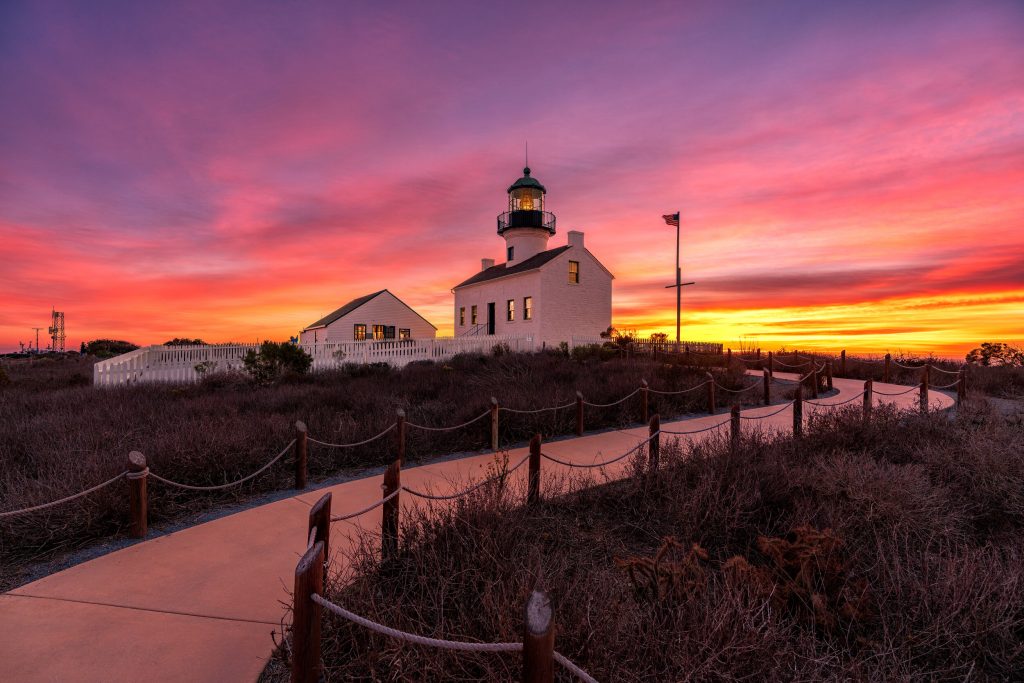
(502, 269)
(353, 305)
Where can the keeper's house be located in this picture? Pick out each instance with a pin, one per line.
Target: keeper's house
(380, 315)
(548, 294)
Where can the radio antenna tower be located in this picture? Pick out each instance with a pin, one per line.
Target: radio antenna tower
(37, 338)
(56, 331)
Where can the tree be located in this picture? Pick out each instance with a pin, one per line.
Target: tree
(996, 353)
(107, 348)
(275, 359)
(184, 341)
(659, 337)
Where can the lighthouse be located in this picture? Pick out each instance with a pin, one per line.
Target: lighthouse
(526, 226)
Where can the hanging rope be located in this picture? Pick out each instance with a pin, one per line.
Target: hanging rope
(218, 487)
(448, 429)
(66, 499)
(352, 445)
(632, 450)
(474, 487)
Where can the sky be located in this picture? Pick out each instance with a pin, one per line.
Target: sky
(850, 174)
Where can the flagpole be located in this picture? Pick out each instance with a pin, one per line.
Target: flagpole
(679, 281)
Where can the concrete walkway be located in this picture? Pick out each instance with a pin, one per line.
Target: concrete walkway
(200, 604)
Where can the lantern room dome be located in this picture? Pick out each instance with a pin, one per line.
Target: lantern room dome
(527, 181)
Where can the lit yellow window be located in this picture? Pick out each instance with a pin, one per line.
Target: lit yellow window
(574, 272)
(528, 308)
(511, 311)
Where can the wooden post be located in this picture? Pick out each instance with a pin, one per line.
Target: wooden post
(644, 404)
(579, 414)
(767, 388)
(533, 494)
(655, 442)
(868, 399)
(926, 372)
(734, 428)
(711, 394)
(885, 372)
(320, 519)
(798, 410)
(759, 353)
(842, 363)
(309, 579)
(796, 357)
(400, 434)
(301, 453)
(828, 375)
(138, 506)
(728, 359)
(923, 396)
(494, 424)
(814, 381)
(961, 387)
(538, 639)
(389, 522)
(771, 365)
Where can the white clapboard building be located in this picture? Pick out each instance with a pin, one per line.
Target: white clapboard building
(547, 294)
(378, 316)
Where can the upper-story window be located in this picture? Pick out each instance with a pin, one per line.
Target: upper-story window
(511, 310)
(528, 308)
(472, 313)
(511, 251)
(462, 316)
(359, 331)
(574, 272)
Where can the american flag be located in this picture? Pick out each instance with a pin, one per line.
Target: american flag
(671, 219)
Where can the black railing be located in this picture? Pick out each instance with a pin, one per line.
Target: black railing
(526, 219)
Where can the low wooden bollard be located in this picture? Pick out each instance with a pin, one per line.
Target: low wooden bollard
(654, 432)
(538, 639)
(138, 506)
(309, 579)
(301, 453)
(771, 365)
(767, 387)
(814, 382)
(923, 396)
(868, 399)
(842, 363)
(734, 428)
(579, 414)
(400, 435)
(828, 375)
(711, 394)
(885, 371)
(798, 410)
(961, 387)
(644, 400)
(320, 519)
(728, 358)
(759, 353)
(494, 424)
(389, 521)
(533, 492)
(926, 372)
(796, 357)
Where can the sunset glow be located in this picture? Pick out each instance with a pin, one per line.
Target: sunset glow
(849, 175)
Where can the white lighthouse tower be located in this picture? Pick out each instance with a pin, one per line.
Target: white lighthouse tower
(526, 226)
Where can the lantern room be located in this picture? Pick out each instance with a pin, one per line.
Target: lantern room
(526, 206)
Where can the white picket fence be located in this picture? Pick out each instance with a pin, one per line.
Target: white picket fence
(190, 363)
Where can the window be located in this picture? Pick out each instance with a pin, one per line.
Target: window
(462, 316)
(389, 332)
(511, 253)
(378, 331)
(359, 331)
(472, 314)
(404, 333)
(528, 308)
(511, 310)
(574, 272)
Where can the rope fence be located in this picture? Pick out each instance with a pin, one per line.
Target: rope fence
(450, 429)
(352, 445)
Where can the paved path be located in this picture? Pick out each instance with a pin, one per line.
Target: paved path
(200, 604)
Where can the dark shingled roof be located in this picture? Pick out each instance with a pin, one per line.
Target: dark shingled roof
(501, 270)
(344, 310)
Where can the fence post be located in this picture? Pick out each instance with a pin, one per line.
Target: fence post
(798, 410)
(828, 375)
(400, 434)
(579, 414)
(533, 494)
(494, 424)
(796, 357)
(842, 363)
(644, 405)
(320, 519)
(961, 387)
(138, 506)
(538, 639)
(767, 388)
(309, 579)
(728, 359)
(711, 394)
(734, 428)
(771, 365)
(885, 372)
(389, 522)
(759, 353)
(923, 395)
(301, 453)
(655, 443)
(868, 399)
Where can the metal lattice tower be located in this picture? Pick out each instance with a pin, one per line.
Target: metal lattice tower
(57, 331)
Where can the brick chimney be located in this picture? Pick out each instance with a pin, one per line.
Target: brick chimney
(575, 238)
(486, 263)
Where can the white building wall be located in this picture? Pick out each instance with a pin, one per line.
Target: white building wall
(384, 309)
(568, 309)
(499, 291)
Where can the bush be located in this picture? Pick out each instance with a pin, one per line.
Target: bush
(276, 359)
(184, 341)
(107, 348)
